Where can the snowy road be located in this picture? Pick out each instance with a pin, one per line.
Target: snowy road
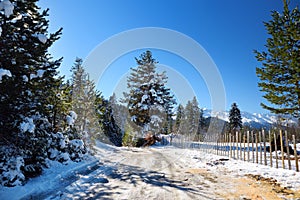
(167, 173)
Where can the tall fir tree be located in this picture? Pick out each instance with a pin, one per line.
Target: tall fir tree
(119, 111)
(148, 92)
(235, 118)
(31, 79)
(24, 52)
(179, 117)
(59, 105)
(202, 122)
(83, 103)
(111, 132)
(280, 71)
(190, 121)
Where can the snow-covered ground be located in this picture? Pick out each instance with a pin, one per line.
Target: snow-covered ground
(158, 173)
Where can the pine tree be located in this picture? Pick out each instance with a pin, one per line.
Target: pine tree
(119, 111)
(179, 117)
(111, 131)
(280, 74)
(191, 117)
(59, 105)
(24, 45)
(83, 103)
(235, 118)
(201, 124)
(148, 93)
(32, 77)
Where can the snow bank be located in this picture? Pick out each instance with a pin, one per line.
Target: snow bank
(51, 179)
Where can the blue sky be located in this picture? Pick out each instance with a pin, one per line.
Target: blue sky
(229, 31)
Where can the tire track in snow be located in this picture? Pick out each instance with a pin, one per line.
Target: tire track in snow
(63, 182)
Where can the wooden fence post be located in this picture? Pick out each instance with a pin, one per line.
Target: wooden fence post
(240, 136)
(205, 143)
(260, 149)
(295, 154)
(233, 145)
(287, 143)
(225, 145)
(252, 138)
(281, 146)
(256, 148)
(222, 145)
(265, 149)
(229, 144)
(276, 154)
(248, 152)
(244, 140)
(237, 145)
(270, 141)
(230, 147)
(217, 147)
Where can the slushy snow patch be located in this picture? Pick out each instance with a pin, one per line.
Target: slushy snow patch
(8, 7)
(4, 72)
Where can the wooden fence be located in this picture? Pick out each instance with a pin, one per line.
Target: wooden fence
(266, 148)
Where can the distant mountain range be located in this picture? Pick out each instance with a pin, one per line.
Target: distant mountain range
(255, 120)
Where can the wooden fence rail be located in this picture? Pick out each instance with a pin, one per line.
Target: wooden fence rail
(265, 148)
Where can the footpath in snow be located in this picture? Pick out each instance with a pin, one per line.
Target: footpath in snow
(158, 173)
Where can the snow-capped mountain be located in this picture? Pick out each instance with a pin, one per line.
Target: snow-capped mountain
(256, 120)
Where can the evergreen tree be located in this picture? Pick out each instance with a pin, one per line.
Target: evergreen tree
(31, 79)
(201, 124)
(119, 111)
(24, 44)
(280, 74)
(195, 113)
(111, 131)
(148, 92)
(179, 117)
(83, 103)
(59, 105)
(191, 117)
(235, 118)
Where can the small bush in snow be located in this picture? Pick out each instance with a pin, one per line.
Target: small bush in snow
(10, 167)
(77, 149)
(65, 148)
